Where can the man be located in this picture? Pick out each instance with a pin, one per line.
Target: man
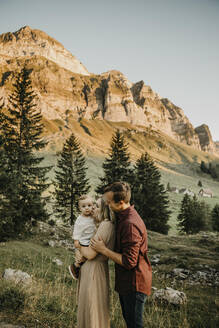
(133, 274)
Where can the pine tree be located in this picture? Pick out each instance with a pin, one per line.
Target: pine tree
(194, 215)
(168, 187)
(117, 166)
(214, 173)
(204, 217)
(70, 180)
(185, 214)
(2, 141)
(21, 137)
(149, 195)
(215, 217)
(203, 167)
(199, 183)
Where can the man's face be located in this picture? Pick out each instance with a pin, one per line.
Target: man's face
(116, 207)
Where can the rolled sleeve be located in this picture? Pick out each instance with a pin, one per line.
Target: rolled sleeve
(130, 242)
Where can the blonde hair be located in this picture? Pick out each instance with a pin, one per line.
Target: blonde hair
(83, 197)
(105, 212)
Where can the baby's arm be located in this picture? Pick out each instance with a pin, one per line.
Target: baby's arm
(76, 244)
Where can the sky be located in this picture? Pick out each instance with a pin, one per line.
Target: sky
(172, 45)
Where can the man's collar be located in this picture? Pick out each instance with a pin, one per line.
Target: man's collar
(122, 214)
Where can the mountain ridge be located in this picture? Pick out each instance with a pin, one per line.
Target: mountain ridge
(68, 91)
(29, 42)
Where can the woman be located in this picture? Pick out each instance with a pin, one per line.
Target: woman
(93, 283)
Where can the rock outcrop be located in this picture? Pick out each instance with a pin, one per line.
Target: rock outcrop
(29, 42)
(205, 138)
(170, 296)
(17, 276)
(66, 91)
(216, 145)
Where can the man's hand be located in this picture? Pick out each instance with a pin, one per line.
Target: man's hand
(98, 245)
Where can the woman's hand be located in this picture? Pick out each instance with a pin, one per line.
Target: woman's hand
(98, 245)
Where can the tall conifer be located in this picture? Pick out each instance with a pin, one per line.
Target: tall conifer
(22, 138)
(117, 166)
(194, 216)
(149, 195)
(70, 180)
(184, 217)
(215, 217)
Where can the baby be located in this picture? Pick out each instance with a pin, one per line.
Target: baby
(84, 229)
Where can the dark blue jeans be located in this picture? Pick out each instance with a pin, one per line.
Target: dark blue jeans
(132, 309)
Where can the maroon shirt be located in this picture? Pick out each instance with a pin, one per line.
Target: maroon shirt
(131, 242)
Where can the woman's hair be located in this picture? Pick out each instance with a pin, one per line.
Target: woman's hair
(105, 212)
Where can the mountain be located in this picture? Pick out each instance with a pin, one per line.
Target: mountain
(68, 93)
(205, 138)
(216, 143)
(30, 42)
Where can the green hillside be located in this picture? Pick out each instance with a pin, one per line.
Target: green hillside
(179, 164)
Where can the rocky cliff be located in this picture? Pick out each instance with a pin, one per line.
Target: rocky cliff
(205, 138)
(216, 144)
(66, 91)
(28, 42)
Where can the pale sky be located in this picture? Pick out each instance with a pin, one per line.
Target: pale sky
(173, 45)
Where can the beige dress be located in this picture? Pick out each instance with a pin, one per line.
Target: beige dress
(93, 285)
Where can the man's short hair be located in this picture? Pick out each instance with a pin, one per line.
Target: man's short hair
(121, 191)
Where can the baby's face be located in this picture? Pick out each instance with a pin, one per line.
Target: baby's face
(86, 206)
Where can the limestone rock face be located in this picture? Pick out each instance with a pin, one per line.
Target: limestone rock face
(181, 127)
(28, 42)
(119, 104)
(163, 115)
(155, 113)
(216, 144)
(66, 91)
(205, 138)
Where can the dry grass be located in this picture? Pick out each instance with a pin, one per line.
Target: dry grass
(50, 301)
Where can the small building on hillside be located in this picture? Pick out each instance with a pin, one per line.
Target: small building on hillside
(205, 193)
(186, 191)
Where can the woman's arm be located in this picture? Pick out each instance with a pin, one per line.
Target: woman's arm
(88, 252)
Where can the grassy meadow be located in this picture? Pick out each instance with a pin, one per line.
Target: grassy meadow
(50, 300)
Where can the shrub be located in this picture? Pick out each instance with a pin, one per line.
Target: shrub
(215, 217)
(200, 183)
(194, 216)
(46, 304)
(51, 222)
(12, 299)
